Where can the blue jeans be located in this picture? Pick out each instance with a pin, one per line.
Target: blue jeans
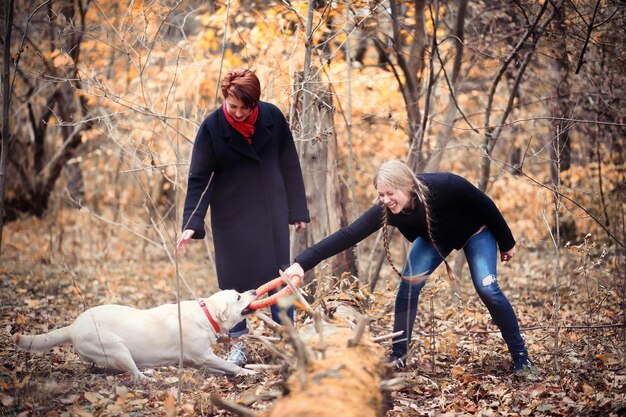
(481, 251)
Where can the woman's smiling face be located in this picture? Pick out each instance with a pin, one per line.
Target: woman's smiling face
(395, 199)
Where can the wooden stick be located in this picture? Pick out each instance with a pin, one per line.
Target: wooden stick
(269, 322)
(388, 336)
(302, 354)
(319, 328)
(394, 384)
(240, 410)
(272, 348)
(262, 367)
(358, 332)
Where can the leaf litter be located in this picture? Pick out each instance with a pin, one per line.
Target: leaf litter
(458, 366)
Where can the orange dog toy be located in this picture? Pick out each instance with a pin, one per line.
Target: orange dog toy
(273, 284)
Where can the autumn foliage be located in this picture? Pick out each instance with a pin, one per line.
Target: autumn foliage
(524, 98)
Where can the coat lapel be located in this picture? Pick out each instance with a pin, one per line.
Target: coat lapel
(262, 132)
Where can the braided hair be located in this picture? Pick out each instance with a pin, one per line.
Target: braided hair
(396, 174)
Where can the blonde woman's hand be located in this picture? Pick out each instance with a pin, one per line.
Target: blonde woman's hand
(294, 270)
(183, 240)
(506, 256)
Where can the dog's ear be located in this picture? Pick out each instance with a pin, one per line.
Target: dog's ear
(221, 311)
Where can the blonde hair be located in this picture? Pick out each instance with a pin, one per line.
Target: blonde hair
(396, 174)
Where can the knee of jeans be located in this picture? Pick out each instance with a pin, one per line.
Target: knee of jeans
(488, 280)
(488, 285)
(415, 280)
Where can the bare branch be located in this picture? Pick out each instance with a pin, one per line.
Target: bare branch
(581, 59)
(358, 331)
(239, 410)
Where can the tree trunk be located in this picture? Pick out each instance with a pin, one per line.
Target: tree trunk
(451, 110)
(36, 166)
(526, 47)
(412, 68)
(560, 150)
(318, 155)
(345, 379)
(7, 14)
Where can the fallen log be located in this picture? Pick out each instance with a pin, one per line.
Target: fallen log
(340, 368)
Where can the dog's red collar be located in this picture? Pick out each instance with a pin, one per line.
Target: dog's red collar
(208, 315)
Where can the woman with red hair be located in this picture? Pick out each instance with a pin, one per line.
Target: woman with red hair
(245, 166)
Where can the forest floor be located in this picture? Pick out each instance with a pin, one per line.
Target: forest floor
(458, 366)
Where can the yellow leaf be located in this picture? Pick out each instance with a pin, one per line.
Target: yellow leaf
(608, 358)
(62, 60)
(93, 397)
(23, 383)
(122, 395)
(587, 389)
(170, 405)
(458, 370)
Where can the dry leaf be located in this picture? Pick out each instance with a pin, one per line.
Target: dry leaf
(6, 400)
(170, 404)
(93, 397)
(458, 370)
(81, 412)
(70, 399)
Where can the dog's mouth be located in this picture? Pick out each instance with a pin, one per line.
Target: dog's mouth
(246, 311)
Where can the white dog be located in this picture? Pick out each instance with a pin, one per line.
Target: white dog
(125, 338)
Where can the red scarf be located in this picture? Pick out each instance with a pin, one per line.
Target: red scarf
(246, 128)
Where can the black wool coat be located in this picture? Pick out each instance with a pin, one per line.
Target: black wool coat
(458, 210)
(254, 190)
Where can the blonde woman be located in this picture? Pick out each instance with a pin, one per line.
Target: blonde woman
(438, 212)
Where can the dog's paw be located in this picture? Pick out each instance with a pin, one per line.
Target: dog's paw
(244, 371)
(141, 377)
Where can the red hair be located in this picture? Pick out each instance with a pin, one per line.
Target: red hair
(242, 84)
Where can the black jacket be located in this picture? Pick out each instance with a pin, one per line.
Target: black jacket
(458, 210)
(257, 190)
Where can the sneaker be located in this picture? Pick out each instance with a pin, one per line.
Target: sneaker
(397, 363)
(521, 363)
(238, 354)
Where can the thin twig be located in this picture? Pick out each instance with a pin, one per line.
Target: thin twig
(317, 323)
(272, 348)
(222, 54)
(388, 336)
(76, 287)
(581, 59)
(262, 367)
(240, 410)
(394, 384)
(518, 170)
(358, 331)
(269, 322)
(302, 354)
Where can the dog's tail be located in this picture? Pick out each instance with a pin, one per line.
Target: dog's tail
(43, 342)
